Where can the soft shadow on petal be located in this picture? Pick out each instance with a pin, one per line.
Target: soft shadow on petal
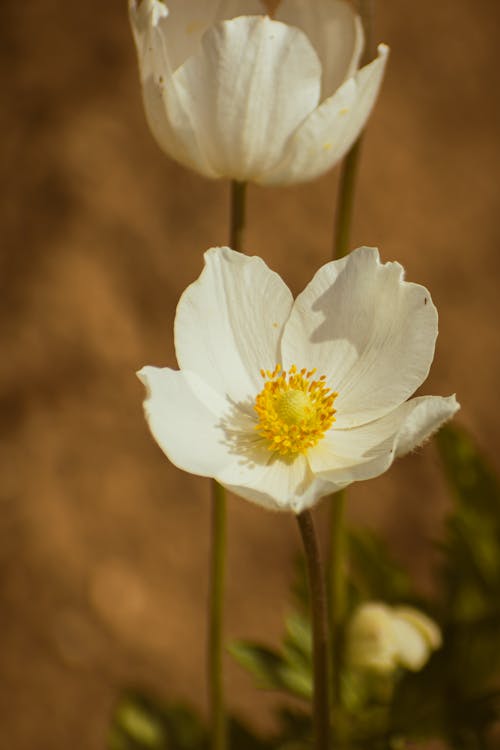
(156, 69)
(369, 331)
(277, 484)
(249, 86)
(329, 132)
(185, 429)
(334, 30)
(188, 20)
(367, 451)
(229, 323)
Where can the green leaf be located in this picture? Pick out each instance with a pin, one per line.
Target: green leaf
(471, 571)
(142, 723)
(272, 670)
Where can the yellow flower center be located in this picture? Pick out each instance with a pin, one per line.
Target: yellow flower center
(294, 410)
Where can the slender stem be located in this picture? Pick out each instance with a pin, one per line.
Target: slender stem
(216, 688)
(345, 204)
(348, 174)
(342, 231)
(321, 660)
(336, 587)
(218, 551)
(238, 215)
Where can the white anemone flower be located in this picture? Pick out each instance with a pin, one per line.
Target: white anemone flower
(382, 638)
(230, 92)
(285, 401)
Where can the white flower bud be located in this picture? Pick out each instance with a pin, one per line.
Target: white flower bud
(381, 638)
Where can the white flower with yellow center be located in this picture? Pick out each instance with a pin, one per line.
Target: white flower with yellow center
(231, 92)
(283, 402)
(381, 638)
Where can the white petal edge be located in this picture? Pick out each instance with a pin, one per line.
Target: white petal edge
(148, 23)
(252, 82)
(185, 429)
(229, 323)
(328, 133)
(275, 483)
(188, 21)
(426, 627)
(334, 30)
(365, 452)
(369, 331)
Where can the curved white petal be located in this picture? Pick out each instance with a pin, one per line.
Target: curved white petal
(229, 323)
(151, 25)
(248, 87)
(188, 432)
(186, 22)
(275, 483)
(369, 331)
(411, 647)
(329, 132)
(334, 30)
(429, 630)
(365, 452)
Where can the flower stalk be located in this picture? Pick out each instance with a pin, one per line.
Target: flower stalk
(341, 240)
(218, 552)
(349, 169)
(217, 575)
(336, 588)
(321, 659)
(237, 214)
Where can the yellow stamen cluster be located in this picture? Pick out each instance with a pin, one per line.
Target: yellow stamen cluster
(294, 411)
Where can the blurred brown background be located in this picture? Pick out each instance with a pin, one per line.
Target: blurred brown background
(103, 544)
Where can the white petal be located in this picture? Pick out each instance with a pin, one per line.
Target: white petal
(249, 86)
(188, 432)
(275, 483)
(151, 26)
(329, 132)
(345, 456)
(429, 630)
(412, 649)
(229, 323)
(188, 21)
(370, 332)
(334, 30)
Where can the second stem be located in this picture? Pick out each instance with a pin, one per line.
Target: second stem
(218, 551)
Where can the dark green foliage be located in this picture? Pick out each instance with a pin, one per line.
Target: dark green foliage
(142, 723)
(456, 696)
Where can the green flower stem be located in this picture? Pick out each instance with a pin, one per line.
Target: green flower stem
(342, 231)
(336, 587)
(348, 174)
(238, 215)
(218, 551)
(345, 203)
(321, 659)
(218, 564)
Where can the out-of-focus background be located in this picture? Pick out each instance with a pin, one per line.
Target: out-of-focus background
(103, 544)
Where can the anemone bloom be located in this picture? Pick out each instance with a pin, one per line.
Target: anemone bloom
(381, 638)
(285, 401)
(230, 92)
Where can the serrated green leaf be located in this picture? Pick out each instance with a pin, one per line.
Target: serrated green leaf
(471, 569)
(271, 669)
